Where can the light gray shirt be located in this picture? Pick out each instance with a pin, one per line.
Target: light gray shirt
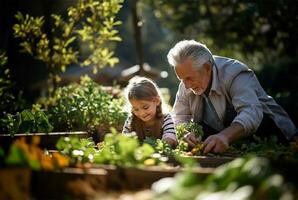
(233, 84)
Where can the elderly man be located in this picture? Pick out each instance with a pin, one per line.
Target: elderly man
(223, 95)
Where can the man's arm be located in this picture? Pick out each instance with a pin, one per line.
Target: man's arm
(181, 110)
(243, 92)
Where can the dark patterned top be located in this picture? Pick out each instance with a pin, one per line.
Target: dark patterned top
(168, 129)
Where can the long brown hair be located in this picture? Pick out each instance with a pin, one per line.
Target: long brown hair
(141, 88)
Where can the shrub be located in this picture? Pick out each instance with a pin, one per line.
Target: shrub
(84, 106)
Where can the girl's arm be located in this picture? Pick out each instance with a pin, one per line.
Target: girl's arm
(126, 126)
(169, 133)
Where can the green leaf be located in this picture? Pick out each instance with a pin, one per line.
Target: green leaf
(16, 157)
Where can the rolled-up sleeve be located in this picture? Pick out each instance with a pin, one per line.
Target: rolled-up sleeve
(181, 109)
(249, 110)
(169, 129)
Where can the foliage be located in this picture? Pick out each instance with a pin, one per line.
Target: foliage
(5, 84)
(84, 106)
(10, 99)
(125, 150)
(273, 76)
(185, 128)
(159, 145)
(248, 178)
(27, 121)
(28, 154)
(272, 27)
(117, 149)
(79, 150)
(266, 147)
(89, 23)
(190, 127)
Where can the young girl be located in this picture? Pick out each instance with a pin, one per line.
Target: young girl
(147, 118)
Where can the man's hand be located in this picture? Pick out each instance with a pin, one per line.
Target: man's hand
(217, 143)
(191, 139)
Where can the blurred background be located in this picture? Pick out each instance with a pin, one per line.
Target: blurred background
(262, 34)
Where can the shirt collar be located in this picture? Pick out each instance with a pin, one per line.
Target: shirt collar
(215, 87)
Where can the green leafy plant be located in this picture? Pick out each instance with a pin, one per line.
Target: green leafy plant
(5, 84)
(159, 145)
(191, 127)
(248, 178)
(265, 147)
(116, 149)
(185, 128)
(89, 23)
(10, 99)
(28, 121)
(125, 150)
(84, 106)
(80, 150)
(27, 153)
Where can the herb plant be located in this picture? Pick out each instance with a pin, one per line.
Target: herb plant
(85, 106)
(191, 127)
(80, 150)
(185, 128)
(126, 150)
(27, 121)
(116, 149)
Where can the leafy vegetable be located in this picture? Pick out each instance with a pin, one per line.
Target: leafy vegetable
(28, 121)
(191, 127)
(80, 150)
(126, 150)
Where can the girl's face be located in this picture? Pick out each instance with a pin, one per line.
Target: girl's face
(145, 110)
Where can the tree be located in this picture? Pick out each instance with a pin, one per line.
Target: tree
(89, 24)
(249, 26)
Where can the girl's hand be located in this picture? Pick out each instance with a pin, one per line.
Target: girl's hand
(191, 139)
(171, 142)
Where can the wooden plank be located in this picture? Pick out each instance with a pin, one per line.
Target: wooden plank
(211, 162)
(15, 183)
(68, 183)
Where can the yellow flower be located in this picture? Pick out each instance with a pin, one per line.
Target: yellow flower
(35, 141)
(61, 160)
(47, 162)
(149, 162)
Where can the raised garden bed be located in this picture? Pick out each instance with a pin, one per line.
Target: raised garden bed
(212, 162)
(141, 178)
(15, 183)
(82, 183)
(69, 182)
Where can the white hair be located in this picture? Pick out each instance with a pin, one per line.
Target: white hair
(196, 51)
